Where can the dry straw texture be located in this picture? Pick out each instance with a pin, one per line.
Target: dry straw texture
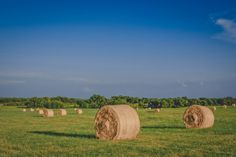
(116, 122)
(40, 112)
(225, 106)
(158, 110)
(48, 113)
(32, 110)
(79, 111)
(197, 116)
(24, 110)
(62, 112)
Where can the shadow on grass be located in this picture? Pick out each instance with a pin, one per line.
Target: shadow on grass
(51, 133)
(163, 127)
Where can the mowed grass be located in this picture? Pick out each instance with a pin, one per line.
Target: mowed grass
(27, 134)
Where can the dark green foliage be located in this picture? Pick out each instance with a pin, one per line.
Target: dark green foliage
(97, 101)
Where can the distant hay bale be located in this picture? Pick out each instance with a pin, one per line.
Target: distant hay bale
(40, 112)
(137, 108)
(32, 110)
(62, 112)
(197, 116)
(79, 111)
(233, 105)
(48, 113)
(225, 106)
(24, 110)
(116, 122)
(149, 108)
(158, 110)
(213, 108)
(75, 109)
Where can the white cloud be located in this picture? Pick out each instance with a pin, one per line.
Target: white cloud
(229, 30)
(182, 84)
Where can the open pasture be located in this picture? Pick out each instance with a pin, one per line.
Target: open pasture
(162, 133)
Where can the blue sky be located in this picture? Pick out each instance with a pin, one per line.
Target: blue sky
(137, 48)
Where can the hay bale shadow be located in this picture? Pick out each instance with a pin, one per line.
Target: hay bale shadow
(51, 133)
(163, 127)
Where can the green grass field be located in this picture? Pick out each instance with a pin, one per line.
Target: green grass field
(162, 134)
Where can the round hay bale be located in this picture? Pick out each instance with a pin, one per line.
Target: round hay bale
(79, 111)
(233, 105)
(32, 110)
(225, 106)
(48, 113)
(75, 109)
(213, 108)
(24, 110)
(197, 116)
(40, 112)
(158, 110)
(116, 122)
(62, 112)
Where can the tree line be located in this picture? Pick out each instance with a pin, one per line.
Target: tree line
(97, 101)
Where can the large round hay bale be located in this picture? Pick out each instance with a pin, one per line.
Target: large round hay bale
(158, 110)
(79, 111)
(233, 105)
(40, 112)
(24, 110)
(225, 106)
(48, 113)
(117, 122)
(62, 112)
(32, 110)
(197, 116)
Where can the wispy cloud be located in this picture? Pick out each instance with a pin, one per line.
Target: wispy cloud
(229, 30)
(20, 74)
(9, 82)
(87, 90)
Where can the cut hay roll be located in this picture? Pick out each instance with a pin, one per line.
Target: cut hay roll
(158, 110)
(233, 105)
(40, 112)
(79, 111)
(197, 116)
(62, 112)
(48, 113)
(32, 110)
(116, 122)
(225, 106)
(24, 110)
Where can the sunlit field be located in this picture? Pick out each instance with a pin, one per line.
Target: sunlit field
(162, 134)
